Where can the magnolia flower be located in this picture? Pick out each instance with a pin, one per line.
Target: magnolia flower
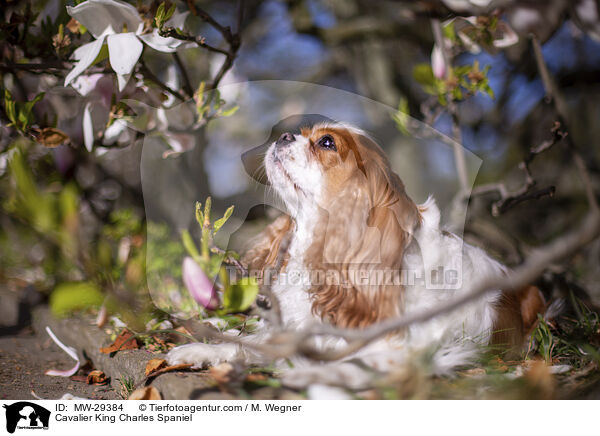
(118, 25)
(438, 65)
(587, 17)
(468, 31)
(200, 286)
(472, 6)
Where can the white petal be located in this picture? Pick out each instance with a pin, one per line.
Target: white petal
(88, 128)
(72, 352)
(177, 20)
(124, 50)
(106, 16)
(112, 133)
(166, 45)
(86, 55)
(122, 80)
(85, 84)
(509, 37)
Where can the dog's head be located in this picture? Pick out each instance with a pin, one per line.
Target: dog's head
(362, 219)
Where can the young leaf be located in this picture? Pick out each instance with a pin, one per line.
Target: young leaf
(199, 214)
(240, 296)
(10, 107)
(207, 207)
(424, 74)
(170, 12)
(401, 116)
(159, 18)
(189, 245)
(219, 223)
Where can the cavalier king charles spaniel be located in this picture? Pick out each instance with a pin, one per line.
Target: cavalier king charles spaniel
(354, 250)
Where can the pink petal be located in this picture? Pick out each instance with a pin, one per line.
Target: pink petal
(70, 351)
(437, 62)
(198, 284)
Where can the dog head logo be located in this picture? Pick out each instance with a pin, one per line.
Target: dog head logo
(26, 415)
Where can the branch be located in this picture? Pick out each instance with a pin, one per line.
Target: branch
(200, 41)
(150, 75)
(509, 199)
(554, 95)
(459, 154)
(187, 86)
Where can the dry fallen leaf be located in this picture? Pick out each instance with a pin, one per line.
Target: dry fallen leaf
(97, 377)
(51, 137)
(169, 369)
(256, 377)
(125, 341)
(147, 393)
(539, 376)
(154, 365)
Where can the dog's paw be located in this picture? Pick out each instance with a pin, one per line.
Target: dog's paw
(341, 374)
(203, 355)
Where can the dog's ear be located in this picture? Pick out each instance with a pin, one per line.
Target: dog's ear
(268, 249)
(359, 250)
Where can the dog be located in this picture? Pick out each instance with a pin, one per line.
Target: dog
(356, 250)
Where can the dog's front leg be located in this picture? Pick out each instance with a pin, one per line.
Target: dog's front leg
(202, 355)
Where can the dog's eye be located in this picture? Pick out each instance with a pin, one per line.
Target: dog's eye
(327, 142)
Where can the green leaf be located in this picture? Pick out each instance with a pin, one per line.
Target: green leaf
(74, 296)
(219, 223)
(402, 115)
(170, 12)
(424, 74)
(489, 91)
(10, 107)
(449, 31)
(159, 18)
(240, 296)
(190, 245)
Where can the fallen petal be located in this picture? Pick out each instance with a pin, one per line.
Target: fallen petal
(70, 351)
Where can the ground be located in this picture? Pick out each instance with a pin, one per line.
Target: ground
(25, 357)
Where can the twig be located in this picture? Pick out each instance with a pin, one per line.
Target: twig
(554, 95)
(200, 41)
(509, 199)
(150, 75)
(56, 65)
(187, 86)
(459, 154)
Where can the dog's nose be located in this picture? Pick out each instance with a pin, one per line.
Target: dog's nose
(285, 139)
